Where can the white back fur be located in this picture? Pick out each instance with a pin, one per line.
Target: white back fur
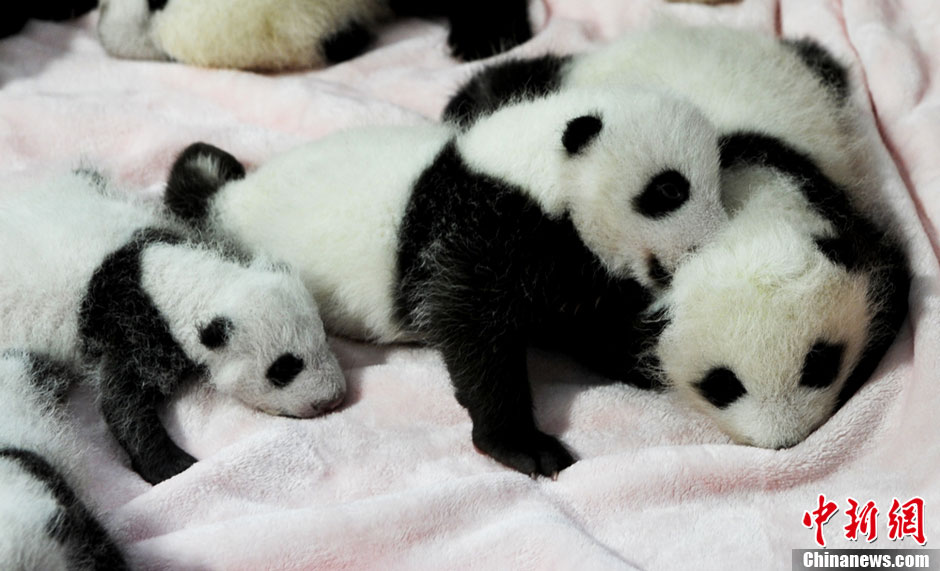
(332, 209)
(740, 80)
(644, 133)
(754, 301)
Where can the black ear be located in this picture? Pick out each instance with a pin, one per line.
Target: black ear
(581, 131)
(217, 333)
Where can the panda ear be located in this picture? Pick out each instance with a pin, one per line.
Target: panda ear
(216, 333)
(580, 131)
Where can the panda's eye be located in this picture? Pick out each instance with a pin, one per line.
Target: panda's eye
(664, 194)
(284, 369)
(821, 365)
(721, 387)
(216, 333)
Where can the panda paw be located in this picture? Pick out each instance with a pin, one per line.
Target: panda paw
(157, 470)
(533, 453)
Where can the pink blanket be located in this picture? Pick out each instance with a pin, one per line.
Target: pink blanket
(391, 480)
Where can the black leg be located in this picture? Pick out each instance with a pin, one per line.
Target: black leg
(131, 413)
(485, 28)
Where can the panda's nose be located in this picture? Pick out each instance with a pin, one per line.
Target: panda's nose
(284, 370)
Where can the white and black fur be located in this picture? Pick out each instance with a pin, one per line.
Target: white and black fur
(536, 226)
(91, 277)
(44, 524)
(775, 323)
(273, 35)
(791, 155)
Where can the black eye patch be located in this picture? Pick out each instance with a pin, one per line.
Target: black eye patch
(821, 365)
(217, 333)
(664, 194)
(721, 387)
(284, 369)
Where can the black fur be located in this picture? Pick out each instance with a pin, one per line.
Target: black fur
(141, 363)
(833, 74)
(483, 272)
(155, 5)
(478, 29)
(216, 333)
(88, 544)
(821, 365)
(663, 195)
(658, 273)
(721, 387)
(579, 132)
(347, 43)
(189, 190)
(498, 84)
(860, 246)
(284, 369)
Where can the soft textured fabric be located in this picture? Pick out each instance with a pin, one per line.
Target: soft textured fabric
(391, 479)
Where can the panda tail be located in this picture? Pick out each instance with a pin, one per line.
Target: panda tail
(197, 174)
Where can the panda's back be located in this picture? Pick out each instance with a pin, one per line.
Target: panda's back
(742, 81)
(332, 209)
(51, 240)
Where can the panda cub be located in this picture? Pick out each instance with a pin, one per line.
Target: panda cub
(776, 322)
(43, 522)
(89, 276)
(754, 336)
(276, 35)
(546, 223)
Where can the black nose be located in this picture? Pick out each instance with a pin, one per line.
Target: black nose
(284, 369)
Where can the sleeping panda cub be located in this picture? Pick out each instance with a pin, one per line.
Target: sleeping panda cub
(775, 323)
(44, 524)
(276, 35)
(90, 276)
(546, 223)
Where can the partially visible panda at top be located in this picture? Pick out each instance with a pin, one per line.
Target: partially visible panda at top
(274, 35)
(803, 230)
(548, 222)
(87, 276)
(44, 522)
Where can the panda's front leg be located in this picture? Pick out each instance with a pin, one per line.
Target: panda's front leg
(130, 410)
(490, 380)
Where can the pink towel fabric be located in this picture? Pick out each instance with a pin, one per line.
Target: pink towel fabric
(391, 480)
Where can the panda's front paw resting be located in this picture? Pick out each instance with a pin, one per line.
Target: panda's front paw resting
(156, 470)
(533, 452)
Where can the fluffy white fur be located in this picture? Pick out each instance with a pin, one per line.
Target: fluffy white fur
(740, 80)
(754, 300)
(31, 420)
(53, 238)
(644, 132)
(332, 208)
(243, 34)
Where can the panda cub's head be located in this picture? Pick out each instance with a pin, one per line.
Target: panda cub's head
(254, 329)
(641, 170)
(263, 342)
(761, 329)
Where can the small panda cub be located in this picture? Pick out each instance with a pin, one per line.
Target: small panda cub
(546, 223)
(90, 276)
(277, 35)
(782, 317)
(44, 524)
